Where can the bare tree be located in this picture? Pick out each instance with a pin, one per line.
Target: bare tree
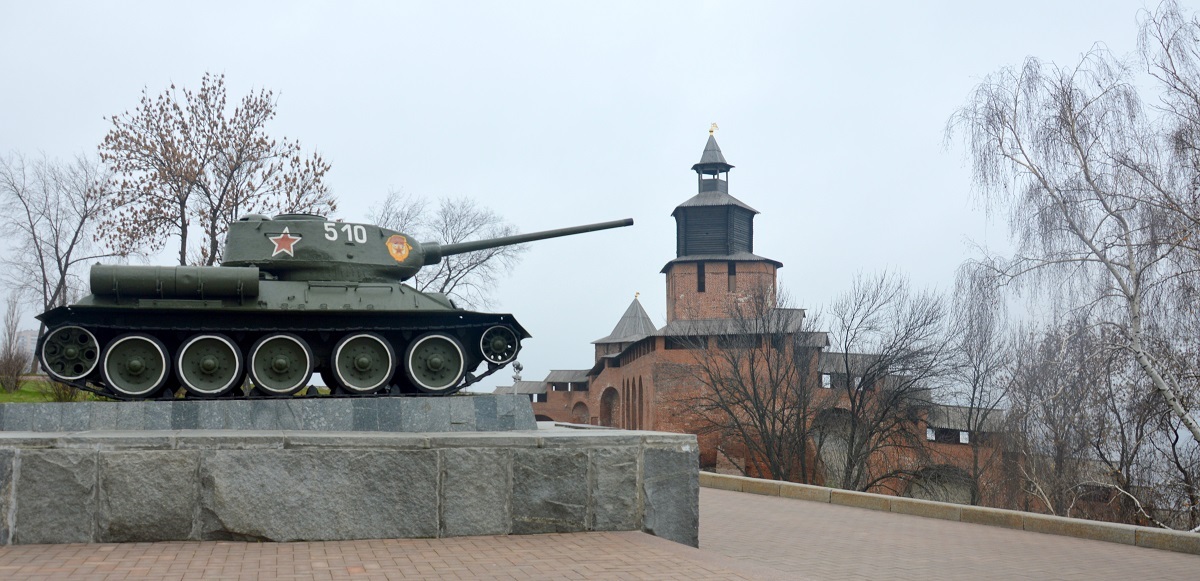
(187, 162)
(14, 360)
(1050, 420)
(888, 347)
(979, 375)
(758, 367)
(52, 211)
(1176, 476)
(469, 278)
(1097, 191)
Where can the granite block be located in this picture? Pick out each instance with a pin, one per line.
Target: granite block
(287, 415)
(365, 414)
(18, 417)
(389, 414)
(130, 415)
(7, 457)
(76, 416)
(262, 415)
(45, 417)
(239, 414)
(417, 415)
(210, 416)
(476, 492)
(550, 494)
(462, 414)
(158, 415)
(671, 493)
(185, 415)
(147, 496)
(104, 415)
(613, 480)
(401, 485)
(486, 419)
(55, 496)
(325, 414)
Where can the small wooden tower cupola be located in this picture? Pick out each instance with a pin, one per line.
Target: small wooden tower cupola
(713, 223)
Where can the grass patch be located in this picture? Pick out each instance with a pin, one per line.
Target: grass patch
(34, 391)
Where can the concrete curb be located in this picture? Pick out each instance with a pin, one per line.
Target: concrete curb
(1167, 540)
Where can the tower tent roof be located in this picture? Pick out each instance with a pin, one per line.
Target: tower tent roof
(712, 160)
(634, 325)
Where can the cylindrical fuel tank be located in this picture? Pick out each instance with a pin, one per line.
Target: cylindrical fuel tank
(174, 282)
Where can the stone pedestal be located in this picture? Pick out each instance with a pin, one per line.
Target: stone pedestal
(291, 485)
(460, 413)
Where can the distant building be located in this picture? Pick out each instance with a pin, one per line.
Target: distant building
(26, 342)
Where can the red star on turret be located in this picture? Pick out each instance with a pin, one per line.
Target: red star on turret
(284, 243)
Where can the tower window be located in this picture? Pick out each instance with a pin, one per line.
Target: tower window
(732, 277)
(699, 277)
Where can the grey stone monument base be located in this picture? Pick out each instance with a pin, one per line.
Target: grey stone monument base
(106, 486)
(461, 413)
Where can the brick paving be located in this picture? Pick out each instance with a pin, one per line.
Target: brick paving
(742, 536)
(622, 555)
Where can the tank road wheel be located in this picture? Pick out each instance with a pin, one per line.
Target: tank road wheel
(136, 365)
(280, 364)
(209, 365)
(499, 345)
(363, 362)
(435, 363)
(70, 353)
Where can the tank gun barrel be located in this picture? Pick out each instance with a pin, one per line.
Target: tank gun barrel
(434, 252)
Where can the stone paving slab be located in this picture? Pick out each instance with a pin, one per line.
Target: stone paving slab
(803, 539)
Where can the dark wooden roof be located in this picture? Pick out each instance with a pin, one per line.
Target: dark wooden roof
(525, 387)
(713, 199)
(566, 376)
(634, 325)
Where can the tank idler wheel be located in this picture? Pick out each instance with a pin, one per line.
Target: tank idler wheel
(499, 345)
(136, 365)
(435, 363)
(362, 362)
(70, 353)
(209, 365)
(280, 364)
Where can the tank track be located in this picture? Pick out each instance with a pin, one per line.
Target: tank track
(320, 329)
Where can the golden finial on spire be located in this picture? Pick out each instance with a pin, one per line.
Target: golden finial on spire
(712, 128)
(636, 295)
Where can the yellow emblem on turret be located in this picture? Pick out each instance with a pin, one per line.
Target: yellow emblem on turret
(398, 247)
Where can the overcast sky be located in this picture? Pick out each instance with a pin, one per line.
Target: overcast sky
(563, 113)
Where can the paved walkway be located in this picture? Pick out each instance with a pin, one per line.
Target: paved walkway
(742, 536)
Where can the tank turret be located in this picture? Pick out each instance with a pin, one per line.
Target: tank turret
(309, 247)
(295, 295)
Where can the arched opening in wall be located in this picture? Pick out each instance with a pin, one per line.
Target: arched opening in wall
(609, 403)
(579, 413)
(542, 418)
(941, 483)
(832, 435)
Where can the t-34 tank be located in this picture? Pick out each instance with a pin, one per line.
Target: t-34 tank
(295, 295)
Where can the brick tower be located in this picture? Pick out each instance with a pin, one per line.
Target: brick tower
(714, 247)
